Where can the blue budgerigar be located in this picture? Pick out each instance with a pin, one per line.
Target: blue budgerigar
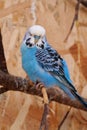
(42, 63)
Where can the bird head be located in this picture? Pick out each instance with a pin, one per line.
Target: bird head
(37, 32)
(35, 36)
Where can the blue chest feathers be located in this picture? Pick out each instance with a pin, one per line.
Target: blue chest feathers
(29, 62)
(34, 70)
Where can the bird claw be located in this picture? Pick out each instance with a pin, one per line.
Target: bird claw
(39, 85)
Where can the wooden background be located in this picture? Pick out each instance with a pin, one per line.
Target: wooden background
(20, 111)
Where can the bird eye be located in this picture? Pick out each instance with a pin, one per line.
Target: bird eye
(43, 42)
(28, 39)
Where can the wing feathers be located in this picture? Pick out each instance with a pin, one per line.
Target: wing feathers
(51, 62)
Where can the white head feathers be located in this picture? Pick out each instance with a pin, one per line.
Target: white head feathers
(37, 30)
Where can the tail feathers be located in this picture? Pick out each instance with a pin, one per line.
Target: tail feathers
(80, 99)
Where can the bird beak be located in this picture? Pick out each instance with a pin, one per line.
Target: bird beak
(36, 38)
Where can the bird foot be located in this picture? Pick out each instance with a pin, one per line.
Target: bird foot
(39, 85)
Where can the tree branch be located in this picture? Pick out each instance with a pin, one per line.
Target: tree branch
(2, 57)
(44, 121)
(83, 2)
(64, 118)
(74, 19)
(10, 82)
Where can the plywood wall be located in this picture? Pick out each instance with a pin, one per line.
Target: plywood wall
(20, 111)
